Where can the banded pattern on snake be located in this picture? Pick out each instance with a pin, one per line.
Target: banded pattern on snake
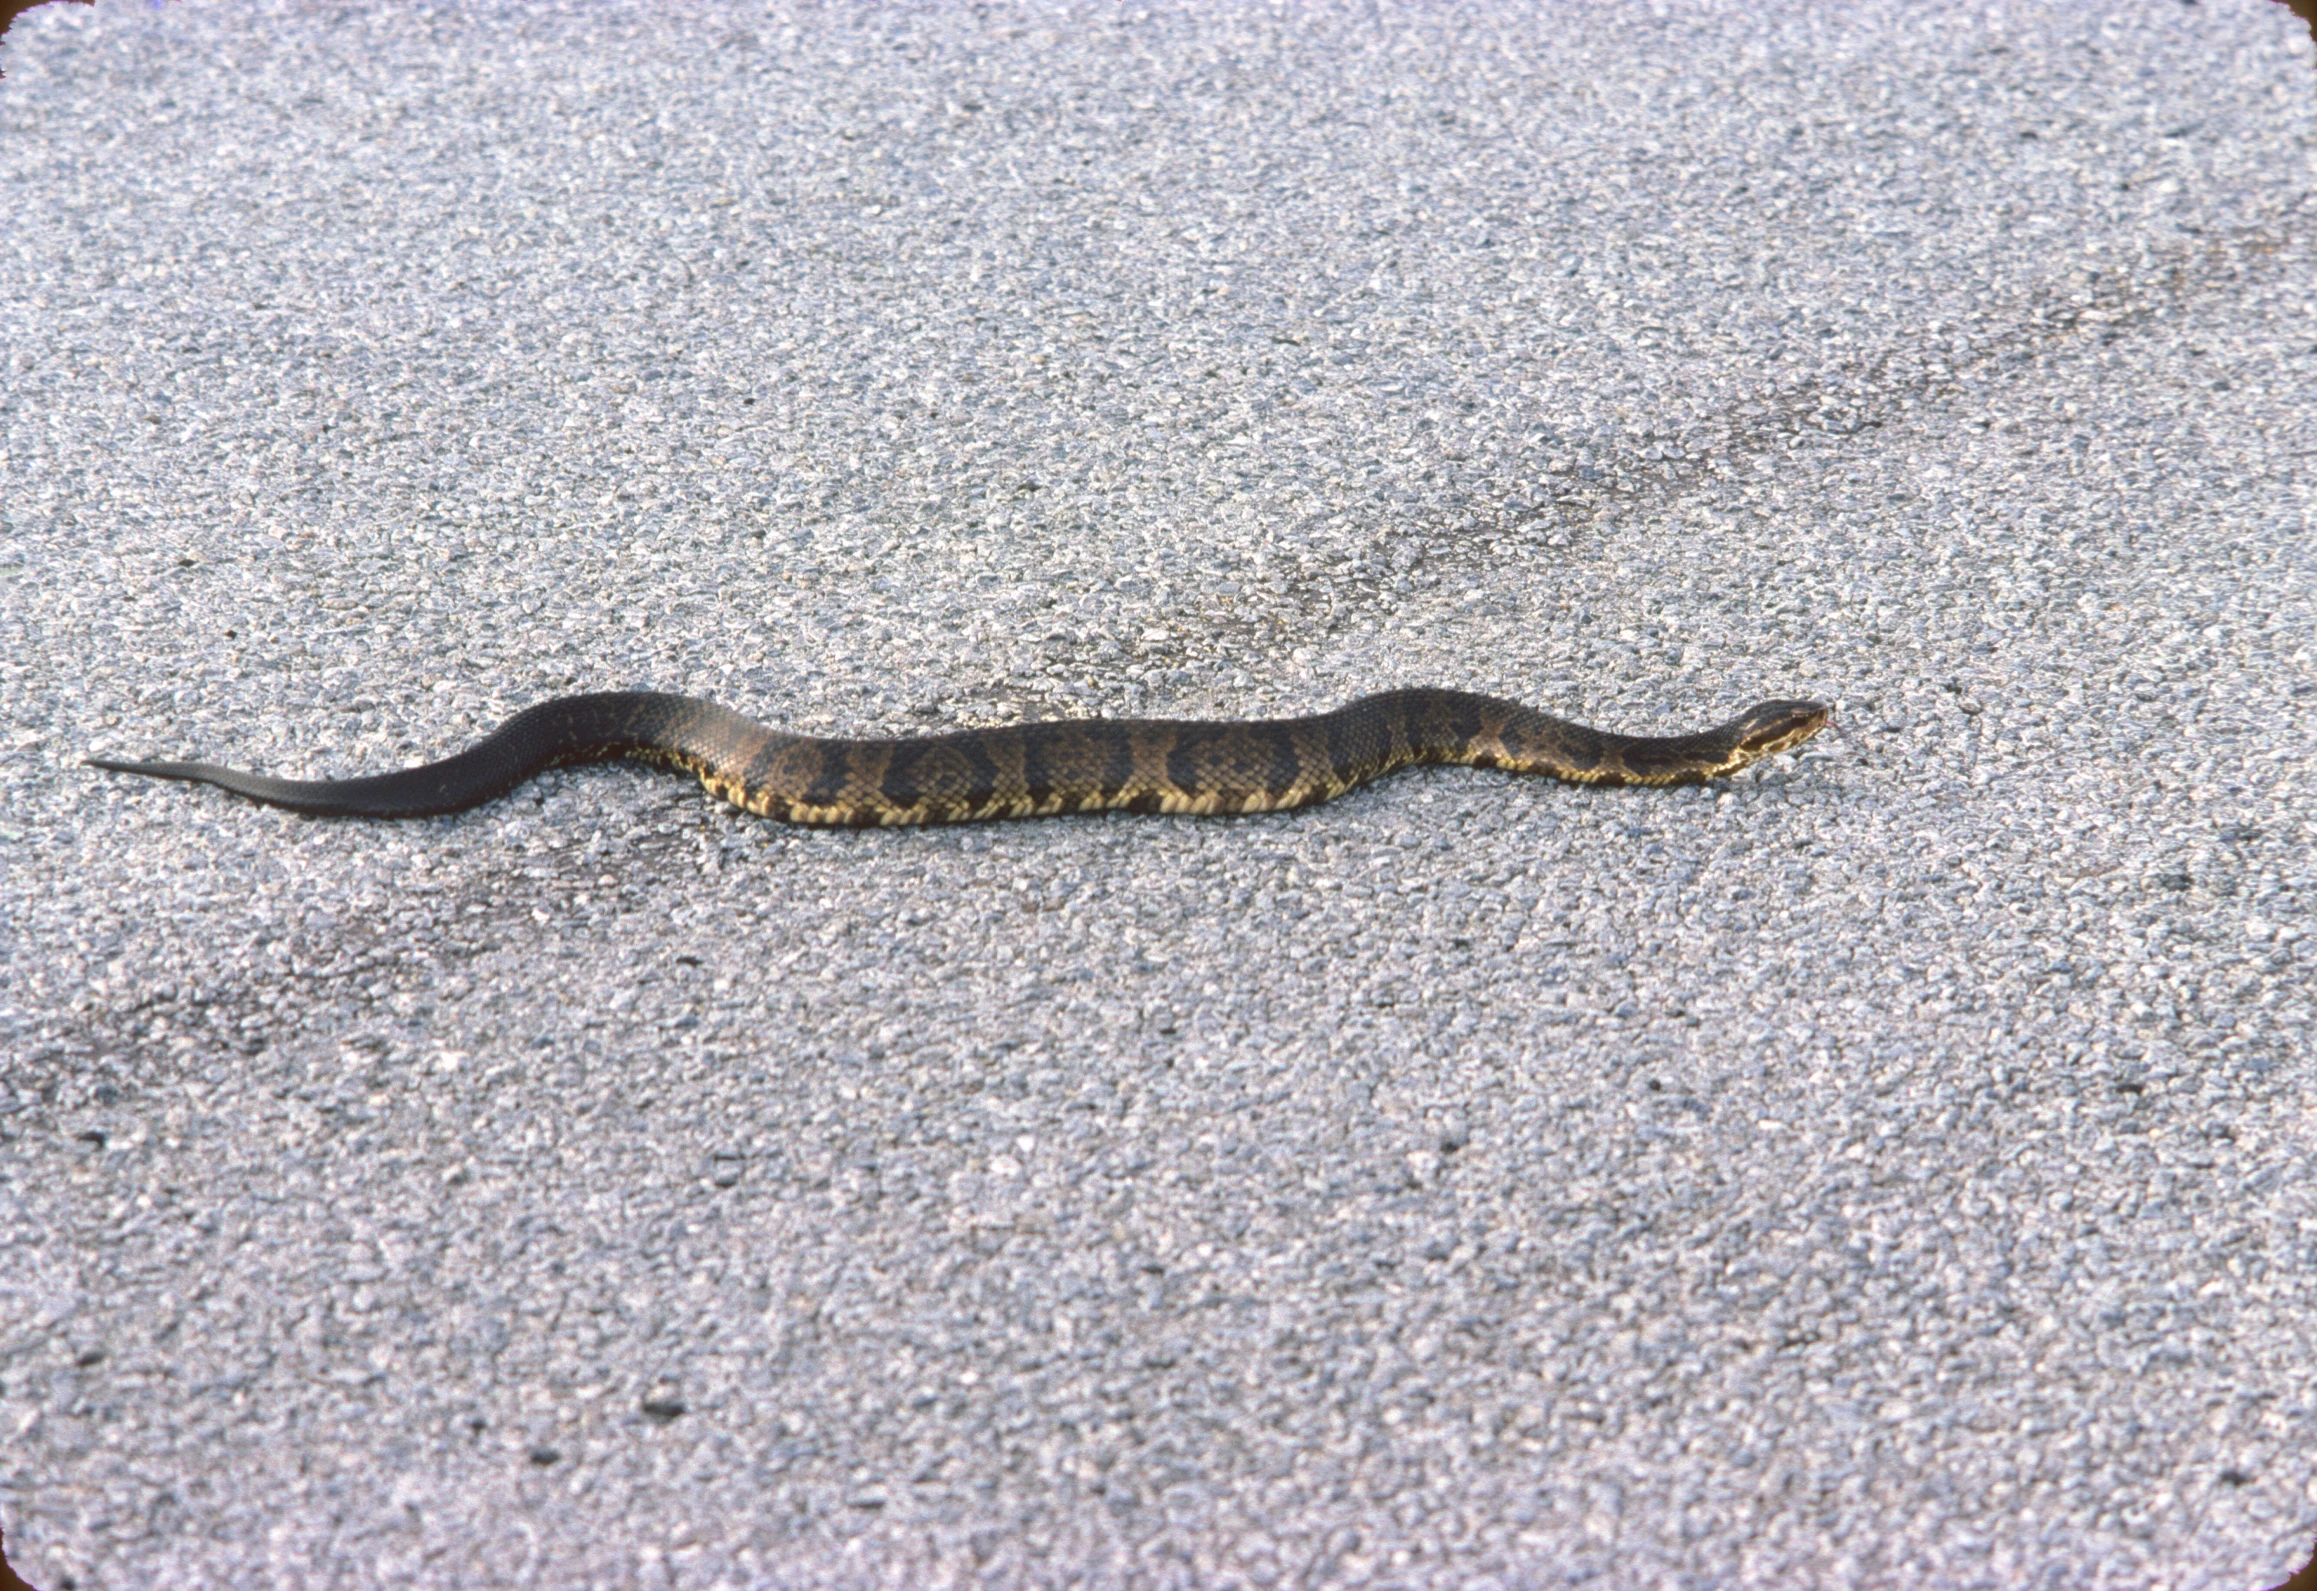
(1030, 770)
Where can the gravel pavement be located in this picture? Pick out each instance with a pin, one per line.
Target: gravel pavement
(1896, 1167)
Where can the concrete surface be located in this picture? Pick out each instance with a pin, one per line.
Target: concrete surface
(1897, 1167)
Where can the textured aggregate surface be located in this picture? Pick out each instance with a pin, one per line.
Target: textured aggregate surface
(1895, 1167)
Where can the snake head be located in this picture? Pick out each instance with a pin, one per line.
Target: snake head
(1767, 728)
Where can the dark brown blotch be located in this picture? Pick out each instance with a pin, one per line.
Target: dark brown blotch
(787, 766)
(938, 772)
(829, 780)
(1224, 761)
(1075, 759)
(1579, 749)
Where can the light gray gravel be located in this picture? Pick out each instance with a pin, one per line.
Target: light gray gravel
(1898, 1167)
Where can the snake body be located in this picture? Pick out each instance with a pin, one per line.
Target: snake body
(1029, 770)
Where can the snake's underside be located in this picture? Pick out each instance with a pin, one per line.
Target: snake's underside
(1030, 770)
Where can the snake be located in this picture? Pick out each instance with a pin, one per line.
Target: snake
(1033, 769)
